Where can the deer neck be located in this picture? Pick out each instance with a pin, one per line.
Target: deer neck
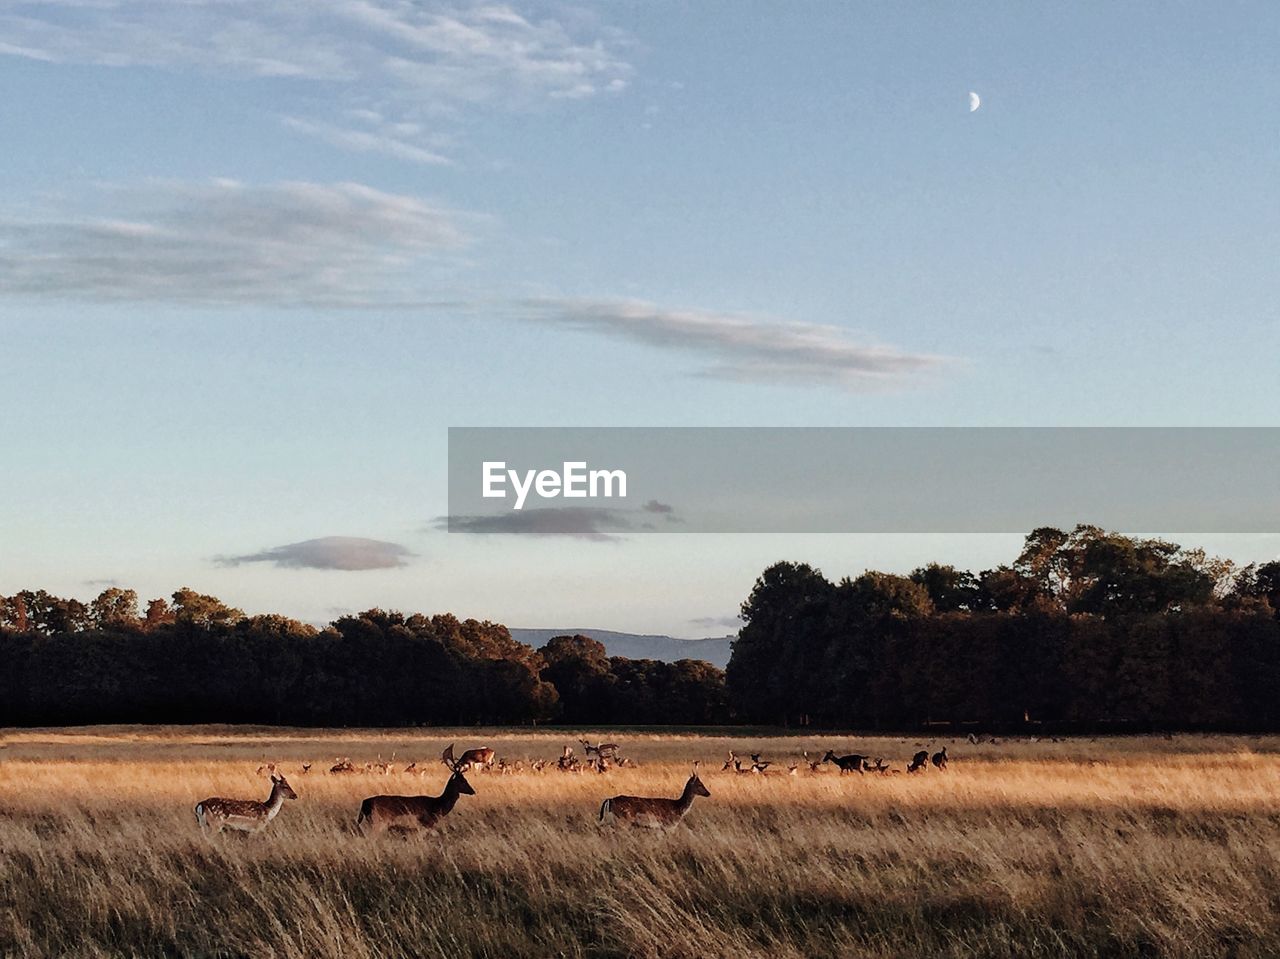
(274, 801)
(686, 798)
(449, 798)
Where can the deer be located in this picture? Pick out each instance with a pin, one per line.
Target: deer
(568, 762)
(482, 757)
(306, 768)
(644, 813)
(814, 765)
(410, 813)
(601, 751)
(919, 761)
(268, 769)
(880, 767)
(851, 763)
(341, 766)
(243, 815)
(939, 759)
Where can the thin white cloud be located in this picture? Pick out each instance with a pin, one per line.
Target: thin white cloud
(347, 553)
(224, 242)
(744, 348)
(408, 58)
(366, 141)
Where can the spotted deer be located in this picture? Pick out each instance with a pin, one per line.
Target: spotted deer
(654, 813)
(243, 815)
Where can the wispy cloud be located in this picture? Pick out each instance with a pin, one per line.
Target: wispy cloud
(366, 141)
(595, 523)
(330, 552)
(400, 54)
(743, 348)
(227, 242)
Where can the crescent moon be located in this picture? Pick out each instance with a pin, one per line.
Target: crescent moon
(975, 101)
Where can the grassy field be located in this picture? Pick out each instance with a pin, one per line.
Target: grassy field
(1125, 847)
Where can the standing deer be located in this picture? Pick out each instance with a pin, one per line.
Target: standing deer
(601, 751)
(851, 763)
(939, 759)
(472, 758)
(654, 813)
(919, 761)
(380, 813)
(243, 815)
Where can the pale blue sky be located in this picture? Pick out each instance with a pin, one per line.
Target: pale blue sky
(256, 258)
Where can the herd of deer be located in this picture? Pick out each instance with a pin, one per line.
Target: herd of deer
(409, 813)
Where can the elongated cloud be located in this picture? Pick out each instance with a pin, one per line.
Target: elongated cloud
(227, 242)
(743, 348)
(595, 523)
(409, 58)
(330, 552)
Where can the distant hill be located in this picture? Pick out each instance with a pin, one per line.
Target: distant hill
(637, 646)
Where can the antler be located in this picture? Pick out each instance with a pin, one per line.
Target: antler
(447, 758)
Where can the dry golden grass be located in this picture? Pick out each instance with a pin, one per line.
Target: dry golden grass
(1132, 847)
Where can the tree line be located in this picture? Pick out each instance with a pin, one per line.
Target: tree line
(194, 659)
(1085, 628)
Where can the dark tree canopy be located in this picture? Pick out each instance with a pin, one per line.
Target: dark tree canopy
(1084, 627)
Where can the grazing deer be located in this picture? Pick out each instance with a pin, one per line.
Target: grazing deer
(380, 813)
(482, 757)
(851, 763)
(939, 759)
(342, 766)
(919, 761)
(601, 751)
(654, 813)
(243, 815)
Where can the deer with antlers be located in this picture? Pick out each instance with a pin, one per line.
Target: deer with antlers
(654, 813)
(481, 757)
(410, 813)
(243, 815)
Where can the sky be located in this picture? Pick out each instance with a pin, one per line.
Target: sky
(255, 259)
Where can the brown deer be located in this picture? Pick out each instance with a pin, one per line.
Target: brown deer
(341, 766)
(879, 766)
(654, 813)
(380, 813)
(601, 751)
(851, 763)
(939, 759)
(482, 757)
(919, 761)
(243, 815)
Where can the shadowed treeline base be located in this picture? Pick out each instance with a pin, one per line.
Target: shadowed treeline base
(1125, 847)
